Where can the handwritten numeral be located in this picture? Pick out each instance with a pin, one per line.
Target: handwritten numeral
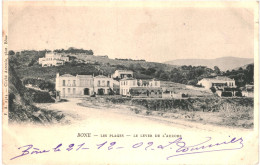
(80, 146)
(137, 145)
(101, 145)
(70, 147)
(111, 145)
(57, 148)
(149, 145)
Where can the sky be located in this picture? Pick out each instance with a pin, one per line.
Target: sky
(152, 33)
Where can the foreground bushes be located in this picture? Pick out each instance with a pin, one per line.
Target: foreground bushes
(213, 104)
(39, 96)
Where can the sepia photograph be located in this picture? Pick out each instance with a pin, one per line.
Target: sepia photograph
(139, 82)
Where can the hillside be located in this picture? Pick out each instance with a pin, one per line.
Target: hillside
(26, 66)
(243, 67)
(21, 108)
(224, 63)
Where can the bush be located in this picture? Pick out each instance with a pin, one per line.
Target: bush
(239, 94)
(226, 94)
(184, 95)
(38, 96)
(213, 89)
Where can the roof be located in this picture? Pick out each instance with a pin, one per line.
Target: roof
(128, 78)
(155, 79)
(147, 88)
(123, 71)
(84, 76)
(67, 75)
(101, 76)
(223, 78)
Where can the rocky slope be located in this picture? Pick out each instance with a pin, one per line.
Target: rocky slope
(21, 108)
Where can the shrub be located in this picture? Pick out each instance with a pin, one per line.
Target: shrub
(226, 94)
(213, 89)
(239, 94)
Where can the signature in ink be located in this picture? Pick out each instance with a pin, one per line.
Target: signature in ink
(204, 146)
(179, 145)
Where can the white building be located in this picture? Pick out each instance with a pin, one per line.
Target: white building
(126, 84)
(154, 83)
(123, 74)
(103, 84)
(219, 81)
(82, 85)
(53, 59)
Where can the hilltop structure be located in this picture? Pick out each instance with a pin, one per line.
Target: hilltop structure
(53, 59)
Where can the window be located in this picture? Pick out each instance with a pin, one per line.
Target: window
(108, 83)
(63, 91)
(74, 82)
(68, 82)
(68, 90)
(64, 82)
(98, 82)
(74, 91)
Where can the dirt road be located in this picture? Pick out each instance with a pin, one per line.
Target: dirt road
(107, 124)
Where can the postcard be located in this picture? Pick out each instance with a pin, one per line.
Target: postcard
(141, 82)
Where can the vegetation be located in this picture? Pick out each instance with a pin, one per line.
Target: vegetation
(20, 103)
(189, 75)
(234, 112)
(40, 83)
(128, 59)
(242, 76)
(11, 52)
(72, 50)
(37, 96)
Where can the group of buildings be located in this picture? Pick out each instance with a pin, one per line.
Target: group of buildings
(53, 59)
(83, 85)
(123, 83)
(88, 85)
(225, 86)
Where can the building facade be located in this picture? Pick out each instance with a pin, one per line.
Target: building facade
(219, 81)
(82, 85)
(103, 85)
(140, 88)
(123, 74)
(126, 84)
(53, 59)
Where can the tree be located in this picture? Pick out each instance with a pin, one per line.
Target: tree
(11, 52)
(250, 75)
(32, 62)
(164, 76)
(216, 70)
(213, 89)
